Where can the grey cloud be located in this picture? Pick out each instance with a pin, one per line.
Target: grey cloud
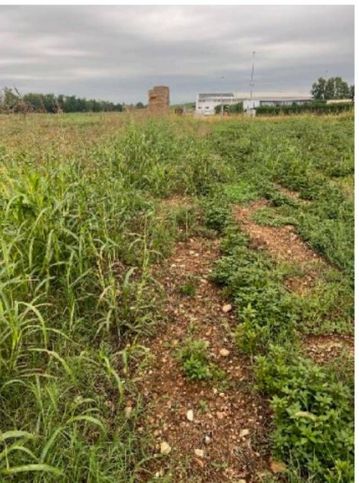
(118, 52)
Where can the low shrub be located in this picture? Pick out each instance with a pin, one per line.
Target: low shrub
(195, 361)
(312, 107)
(313, 415)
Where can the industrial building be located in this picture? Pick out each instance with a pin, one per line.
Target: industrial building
(206, 103)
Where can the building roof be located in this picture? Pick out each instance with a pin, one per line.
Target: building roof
(282, 98)
(215, 94)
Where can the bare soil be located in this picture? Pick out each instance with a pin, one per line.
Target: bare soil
(326, 348)
(283, 244)
(230, 423)
(178, 201)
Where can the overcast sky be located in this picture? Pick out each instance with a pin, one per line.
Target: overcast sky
(119, 52)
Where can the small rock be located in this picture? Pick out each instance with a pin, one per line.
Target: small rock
(277, 466)
(190, 415)
(165, 448)
(199, 453)
(243, 433)
(224, 352)
(128, 411)
(207, 439)
(226, 308)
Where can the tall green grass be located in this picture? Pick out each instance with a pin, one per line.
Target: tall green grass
(81, 225)
(77, 238)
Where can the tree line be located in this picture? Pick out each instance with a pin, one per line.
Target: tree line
(315, 107)
(332, 88)
(12, 101)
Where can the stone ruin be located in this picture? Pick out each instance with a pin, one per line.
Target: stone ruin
(159, 99)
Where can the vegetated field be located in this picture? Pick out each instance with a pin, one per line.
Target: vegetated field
(176, 299)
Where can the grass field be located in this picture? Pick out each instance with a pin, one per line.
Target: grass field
(106, 221)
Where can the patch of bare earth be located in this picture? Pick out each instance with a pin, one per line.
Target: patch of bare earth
(178, 201)
(212, 431)
(326, 348)
(283, 244)
(293, 195)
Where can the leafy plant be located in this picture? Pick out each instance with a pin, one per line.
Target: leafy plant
(216, 212)
(195, 361)
(313, 414)
(189, 287)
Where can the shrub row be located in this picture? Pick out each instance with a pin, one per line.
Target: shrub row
(312, 107)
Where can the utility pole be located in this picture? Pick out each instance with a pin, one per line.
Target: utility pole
(251, 84)
(222, 107)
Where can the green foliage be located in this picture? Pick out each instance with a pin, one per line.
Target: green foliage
(80, 225)
(230, 108)
(263, 307)
(195, 361)
(327, 307)
(266, 216)
(241, 192)
(304, 159)
(313, 415)
(332, 88)
(156, 159)
(189, 287)
(186, 220)
(12, 101)
(216, 212)
(310, 107)
(312, 410)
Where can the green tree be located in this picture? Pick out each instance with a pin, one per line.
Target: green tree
(332, 88)
(12, 101)
(318, 89)
(352, 93)
(342, 90)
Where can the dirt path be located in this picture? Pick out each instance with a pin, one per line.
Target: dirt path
(285, 245)
(326, 348)
(282, 243)
(227, 438)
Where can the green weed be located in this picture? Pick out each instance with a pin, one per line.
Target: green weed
(189, 288)
(196, 363)
(82, 222)
(313, 415)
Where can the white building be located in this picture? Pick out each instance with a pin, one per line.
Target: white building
(206, 103)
